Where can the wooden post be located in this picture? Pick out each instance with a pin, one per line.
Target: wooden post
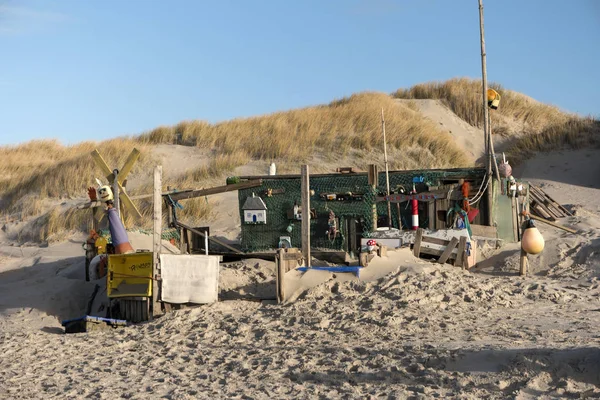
(387, 174)
(156, 241)
(461, 256)
(417, 245)
(486, 119)
(524, 263)
(373, 177)
(399, 216)
(305, 187)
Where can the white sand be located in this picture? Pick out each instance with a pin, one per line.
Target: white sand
(421, 331)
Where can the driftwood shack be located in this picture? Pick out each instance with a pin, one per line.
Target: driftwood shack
(348, 206)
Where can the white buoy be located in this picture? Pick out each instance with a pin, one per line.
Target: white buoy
(272, 169)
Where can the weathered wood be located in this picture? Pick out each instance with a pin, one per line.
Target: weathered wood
(211, 238)
(432, 252)
(156, 241)
(305, 193)
(434, 240)
(431, 215)
(215, 190)
(564, 228)
(373, 181)
(461, 254)
(182, 236)
(417, 245)
(399, 215)
(448, 251)
(123, 194)
(523, 263)
(189, 242)
(279, 275)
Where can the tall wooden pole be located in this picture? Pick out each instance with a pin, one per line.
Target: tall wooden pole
(305, 187)
(156, 239)
(387, 174)
(486, 116)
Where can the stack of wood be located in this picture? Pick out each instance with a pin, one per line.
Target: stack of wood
(544, 206)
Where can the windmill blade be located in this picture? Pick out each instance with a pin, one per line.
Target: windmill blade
(133, 156)
(103, 166)
(124, 197)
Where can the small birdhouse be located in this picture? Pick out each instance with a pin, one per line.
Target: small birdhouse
(255, 210)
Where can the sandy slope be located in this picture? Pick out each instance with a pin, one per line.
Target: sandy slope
(422, 331)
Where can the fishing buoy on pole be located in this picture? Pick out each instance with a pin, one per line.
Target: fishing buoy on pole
(415, 211)
(532, 241)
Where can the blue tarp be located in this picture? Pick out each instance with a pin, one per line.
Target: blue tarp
(350, 268)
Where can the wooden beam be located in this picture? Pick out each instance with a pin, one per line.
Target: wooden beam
(305, 192)
(446, 254)
(219, 189)
(564, 228)
(131, 159)
(156, 240)
(417, 245)
(461, 255)
(373, 180)
(197, 232)
(523, 263)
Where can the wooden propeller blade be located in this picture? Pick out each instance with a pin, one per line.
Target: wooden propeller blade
(124, 197)
(103, 166)
(133, 156)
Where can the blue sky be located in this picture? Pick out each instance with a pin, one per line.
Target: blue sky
(78, 70)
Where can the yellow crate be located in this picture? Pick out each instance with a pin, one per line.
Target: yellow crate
(129, 275)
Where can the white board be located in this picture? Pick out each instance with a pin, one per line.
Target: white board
(189, 278)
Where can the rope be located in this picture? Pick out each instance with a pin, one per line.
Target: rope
(475, 198)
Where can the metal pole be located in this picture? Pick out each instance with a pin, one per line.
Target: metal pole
(387, 175)
(486, 118)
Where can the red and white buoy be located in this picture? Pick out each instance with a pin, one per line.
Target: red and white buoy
(415, 210)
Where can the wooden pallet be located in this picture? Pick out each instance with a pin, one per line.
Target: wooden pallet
(460, 259)
(545, 206)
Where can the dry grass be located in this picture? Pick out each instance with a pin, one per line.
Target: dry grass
(349, 123)
(348, 129)
(517, 114)
(575, 133)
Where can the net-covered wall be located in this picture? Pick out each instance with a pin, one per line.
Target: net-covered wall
(286, 192)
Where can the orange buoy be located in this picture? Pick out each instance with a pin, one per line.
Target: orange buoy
(532, 241)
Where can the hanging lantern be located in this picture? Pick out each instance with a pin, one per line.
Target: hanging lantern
(532, 241)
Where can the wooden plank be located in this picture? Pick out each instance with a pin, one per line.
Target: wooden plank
(156, 241)
(188, 239)
(448, 250)
(431, 215)
(215, 190)
(441, 208)
(546, 195)
(399, 216)
(564, 228)
(373, 180)
(432, 252)
(515, 221)
(540, 210)
(131, 159)
(182, 236)
(483, 230)
(434, 240)
(305, 193)
(461, 255)
(417, 245)
(212, 238)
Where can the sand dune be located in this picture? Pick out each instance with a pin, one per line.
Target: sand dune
(407, 329)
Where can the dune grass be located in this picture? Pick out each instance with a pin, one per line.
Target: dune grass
(575, 133)
(35, 174)
(517, 114)
(345, 124)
